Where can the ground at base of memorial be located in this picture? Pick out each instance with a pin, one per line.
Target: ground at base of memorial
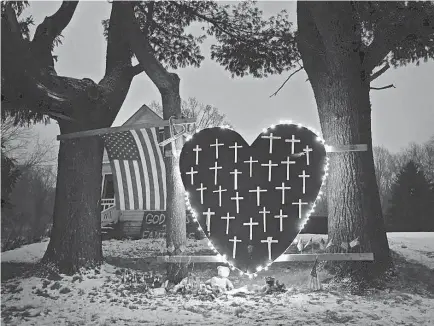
(102, 297)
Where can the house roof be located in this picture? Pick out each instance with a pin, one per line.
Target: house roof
(143, 114)
(143, 111)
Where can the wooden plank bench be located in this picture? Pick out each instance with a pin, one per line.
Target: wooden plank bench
(366, 256)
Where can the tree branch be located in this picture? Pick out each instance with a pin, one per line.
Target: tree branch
(384, 87)
(387, 33)
(281, 86)
(142, 49)
(118, 49)
(379, 72)
(49, 30)
(137, 69)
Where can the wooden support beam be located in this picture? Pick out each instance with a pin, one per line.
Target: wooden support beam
(366, 256)
(346, 148)
(97, 132)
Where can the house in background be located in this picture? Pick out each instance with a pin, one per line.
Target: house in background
(129, 223)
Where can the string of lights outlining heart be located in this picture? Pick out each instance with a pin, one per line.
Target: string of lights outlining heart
(253, 200)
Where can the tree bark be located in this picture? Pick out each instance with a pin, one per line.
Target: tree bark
(341, 90)
(168, 85)
(176, 233)
(77, 104)
(76, 235)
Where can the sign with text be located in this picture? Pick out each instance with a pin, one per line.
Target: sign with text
(154, 225)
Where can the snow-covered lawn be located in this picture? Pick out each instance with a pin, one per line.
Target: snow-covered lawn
(100, 298)
(414, 246)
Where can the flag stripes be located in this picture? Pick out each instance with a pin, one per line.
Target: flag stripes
(140, 175)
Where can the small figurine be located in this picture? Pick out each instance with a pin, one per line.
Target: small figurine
(220, 282)
(273, 285)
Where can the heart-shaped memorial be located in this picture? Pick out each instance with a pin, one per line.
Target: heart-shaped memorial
(253, 200)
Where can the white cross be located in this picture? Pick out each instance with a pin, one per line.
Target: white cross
(235, 173)
(304, 176)
(236, 146)
(234, 240)
(237, 199)
(201, 189)
(216, 145)
(307, 149)
(197, 149)
(269, 241)
(283, 188)
(258, 191)
(271, 137)
(227, 218)
(264, 217)
(292, 141)
(215, 168)
(250, 224)
(220, 190)
(270, 165)
(299, 203)
(281, 216)
(251, 161)
(191, 173)
(288, 162)
(208, 214)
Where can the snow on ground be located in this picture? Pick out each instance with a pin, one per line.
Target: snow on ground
(100, 298)
(26, 254)
(414, 246)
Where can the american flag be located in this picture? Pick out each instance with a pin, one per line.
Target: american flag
(138, 169)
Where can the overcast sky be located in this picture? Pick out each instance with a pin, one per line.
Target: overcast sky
(400, 116)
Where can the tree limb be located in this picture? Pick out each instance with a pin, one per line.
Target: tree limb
(207, 19)
(387, 33)
(118, 49)
(137, 69)
(283, 84)
(384, 87)
(379, 72)
(49, 30)
(142, 49)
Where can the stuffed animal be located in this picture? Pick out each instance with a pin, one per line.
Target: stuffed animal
(220, 282)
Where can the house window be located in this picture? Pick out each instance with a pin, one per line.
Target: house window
(108, 189)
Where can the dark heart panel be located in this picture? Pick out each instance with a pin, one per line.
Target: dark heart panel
(270, 178)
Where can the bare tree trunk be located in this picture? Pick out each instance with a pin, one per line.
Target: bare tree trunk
(168, 85)
(341, 91)
(176, 239)
(76, 234)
